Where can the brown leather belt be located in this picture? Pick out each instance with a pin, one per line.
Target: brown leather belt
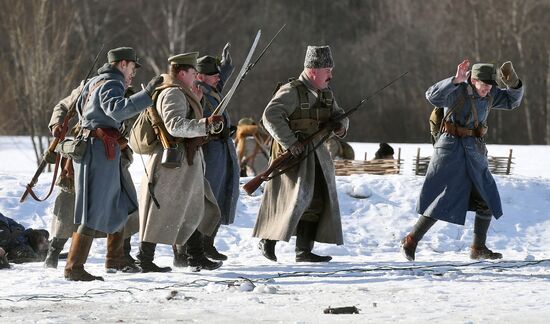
(111, 139)
(458, 131)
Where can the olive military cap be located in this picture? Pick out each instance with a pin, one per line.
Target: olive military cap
(184, 59)
(485, 73)
(208, 65)
(123, 53)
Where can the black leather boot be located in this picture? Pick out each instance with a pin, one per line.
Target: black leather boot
(145, 258)
(127, 250)
(52, 258)
(210, 250)
(197, 260)
(180, 256)
(268, 249)
(305, 238)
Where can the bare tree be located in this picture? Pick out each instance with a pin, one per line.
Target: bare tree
(38, 35)
(170, 24)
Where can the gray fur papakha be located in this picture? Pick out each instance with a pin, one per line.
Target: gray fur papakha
(318, 57)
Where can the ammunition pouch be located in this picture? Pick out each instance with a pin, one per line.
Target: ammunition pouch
(306, 126)
(72, 148)
(458, 131)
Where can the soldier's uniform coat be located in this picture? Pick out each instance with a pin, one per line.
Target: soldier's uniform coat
(104, 197)
(222, 166)
(459, 164)
(63, 224)
(287, 197)
(185, 198)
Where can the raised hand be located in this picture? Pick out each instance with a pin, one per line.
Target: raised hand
(226, 57)
(508, 75)
(462, 72)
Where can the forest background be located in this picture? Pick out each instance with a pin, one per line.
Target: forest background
(47, 47)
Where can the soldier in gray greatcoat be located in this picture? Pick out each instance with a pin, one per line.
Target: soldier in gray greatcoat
(458, 177)
(104, 197)
(63, 225)
(220, 157)
(303, 200)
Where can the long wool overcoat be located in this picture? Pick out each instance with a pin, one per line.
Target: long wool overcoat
(220, 156)
(459, 164)
(286, 197)
(104, 197)
(63, 225)
(184, 195)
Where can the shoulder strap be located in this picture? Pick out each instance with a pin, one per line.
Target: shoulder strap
(303, 100)
(458, 103)
(92, 90)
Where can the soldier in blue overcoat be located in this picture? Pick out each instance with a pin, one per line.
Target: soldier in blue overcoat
(104, 198)
(458, 177)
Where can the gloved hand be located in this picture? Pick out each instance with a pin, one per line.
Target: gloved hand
(214, 122)
(58, 131)
(153, 84)
(297, 149)
(508, 75)
(226, 57)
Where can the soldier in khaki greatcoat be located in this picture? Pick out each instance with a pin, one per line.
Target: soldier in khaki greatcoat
(187, 204)
(303, 200)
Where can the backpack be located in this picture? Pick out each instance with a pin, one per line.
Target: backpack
(143, 138)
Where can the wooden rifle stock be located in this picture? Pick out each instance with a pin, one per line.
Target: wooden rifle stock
(257, 181)
(44, 162)
(70, 114)
(160, 130)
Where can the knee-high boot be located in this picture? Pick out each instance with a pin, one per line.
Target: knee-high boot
(196, 257)
(479, 250)
(145, 258)
(305, 239)
(78, 254)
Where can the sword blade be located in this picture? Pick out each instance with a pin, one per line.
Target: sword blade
(223, 103)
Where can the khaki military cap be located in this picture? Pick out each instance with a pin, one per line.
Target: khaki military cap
(184, 59)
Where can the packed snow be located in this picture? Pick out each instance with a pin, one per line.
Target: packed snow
(367, 272)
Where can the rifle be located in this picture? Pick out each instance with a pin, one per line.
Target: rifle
(51, 148)
(287, 158)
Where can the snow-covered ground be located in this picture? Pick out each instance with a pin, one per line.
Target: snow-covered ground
(368, 271)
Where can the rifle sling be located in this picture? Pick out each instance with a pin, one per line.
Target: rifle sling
(56, 167)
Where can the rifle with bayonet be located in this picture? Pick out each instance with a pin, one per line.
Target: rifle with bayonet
(192, 144)
(286, 160)
(51, 148)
